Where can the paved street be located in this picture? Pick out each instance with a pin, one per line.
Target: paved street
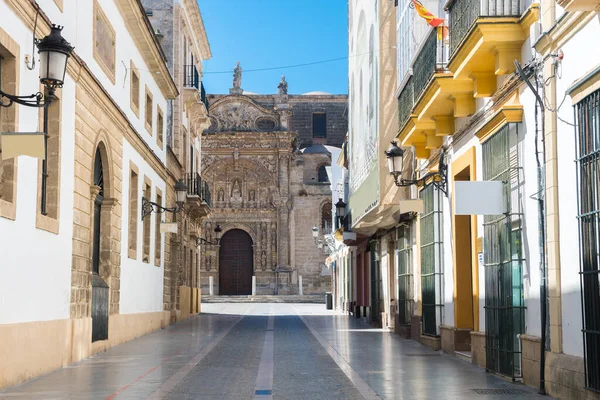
(269, 351)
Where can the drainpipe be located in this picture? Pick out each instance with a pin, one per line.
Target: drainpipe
(541, 219)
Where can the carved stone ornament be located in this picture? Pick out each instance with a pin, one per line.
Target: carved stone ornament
(241, 114)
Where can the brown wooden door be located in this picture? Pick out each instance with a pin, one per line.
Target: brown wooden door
(235, 263)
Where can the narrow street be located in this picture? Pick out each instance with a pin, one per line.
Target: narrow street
(270, 351)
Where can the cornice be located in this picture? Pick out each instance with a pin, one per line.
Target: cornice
(197, 27)
(143, 36)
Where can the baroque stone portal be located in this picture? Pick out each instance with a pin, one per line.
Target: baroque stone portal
(259, 188)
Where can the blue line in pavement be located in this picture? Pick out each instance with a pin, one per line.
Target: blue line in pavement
(262, 392)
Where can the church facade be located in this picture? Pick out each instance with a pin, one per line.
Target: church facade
(265, 159)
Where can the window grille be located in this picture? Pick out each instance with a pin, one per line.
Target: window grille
(587, 138)
(405, 278)
(503, 255)
(431, 260)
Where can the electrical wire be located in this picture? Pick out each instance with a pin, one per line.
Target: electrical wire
(34, 42)
(288, 66)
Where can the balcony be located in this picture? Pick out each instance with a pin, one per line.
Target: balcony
(191, 78)
(425, 106)
(198, 196)
(486, 37)
(194, 97)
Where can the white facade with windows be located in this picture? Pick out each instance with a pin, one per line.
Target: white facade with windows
(49, 260)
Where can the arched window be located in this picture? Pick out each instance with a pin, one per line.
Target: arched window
(323, 178)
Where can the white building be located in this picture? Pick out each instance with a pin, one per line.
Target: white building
(88, 273)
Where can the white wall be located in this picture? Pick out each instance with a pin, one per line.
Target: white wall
(80, 35)
(577, 62)
(141, 283)
(45, 272)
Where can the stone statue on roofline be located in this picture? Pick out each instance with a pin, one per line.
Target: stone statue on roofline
(237, 80)
(283, 90)
(237, 76)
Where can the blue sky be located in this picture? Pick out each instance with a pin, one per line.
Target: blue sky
(273, 33)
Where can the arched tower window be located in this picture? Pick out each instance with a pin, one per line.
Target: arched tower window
(323, 178)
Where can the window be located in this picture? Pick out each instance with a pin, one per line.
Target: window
(133, 211)
(157, 234)
(104, 40)
(588, 145)
(405, 278)
(146, 225)
(135, 89)
(148, 110)
(322, 174)
(319, 125)
(431, 260)
(159, 126)
(8, 123)
(503, 256)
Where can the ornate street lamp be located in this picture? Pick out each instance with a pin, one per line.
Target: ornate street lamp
(340, 211)
(217, 230)
(54, 51)
(395, 156)
(148, 207)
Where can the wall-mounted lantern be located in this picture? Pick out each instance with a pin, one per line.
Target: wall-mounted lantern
(217, 230)
(148, 207)
(395, 156)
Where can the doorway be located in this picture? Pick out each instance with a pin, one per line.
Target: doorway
(466, 301)
(236, 263)
(99, 287)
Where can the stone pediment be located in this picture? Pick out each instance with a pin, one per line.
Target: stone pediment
(241, 114)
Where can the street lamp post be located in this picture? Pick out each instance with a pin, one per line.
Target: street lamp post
(148, 207)
(54, 51)
(340, 211)
(200, 241)
(395, 157)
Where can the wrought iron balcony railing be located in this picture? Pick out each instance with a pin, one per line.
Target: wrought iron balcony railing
(406, 101)
(464, 13)
(198, 187)
(203, 97)
(432, 58)
(191, 78)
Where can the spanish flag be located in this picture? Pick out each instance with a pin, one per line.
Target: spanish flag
(428, 16)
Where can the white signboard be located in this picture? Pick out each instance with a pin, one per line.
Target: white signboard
(168, 227)
(478, 198)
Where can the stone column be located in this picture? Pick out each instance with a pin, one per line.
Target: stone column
(284, 235)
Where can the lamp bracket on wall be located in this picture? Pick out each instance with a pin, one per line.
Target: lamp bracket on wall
(201, 241)
(148, 207)
(439, 179)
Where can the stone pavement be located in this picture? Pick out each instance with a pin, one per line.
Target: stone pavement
(270, 351)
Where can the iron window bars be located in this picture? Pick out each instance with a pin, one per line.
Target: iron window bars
(587, 139)
(405, 277)
(432, 276)
(503, 255)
